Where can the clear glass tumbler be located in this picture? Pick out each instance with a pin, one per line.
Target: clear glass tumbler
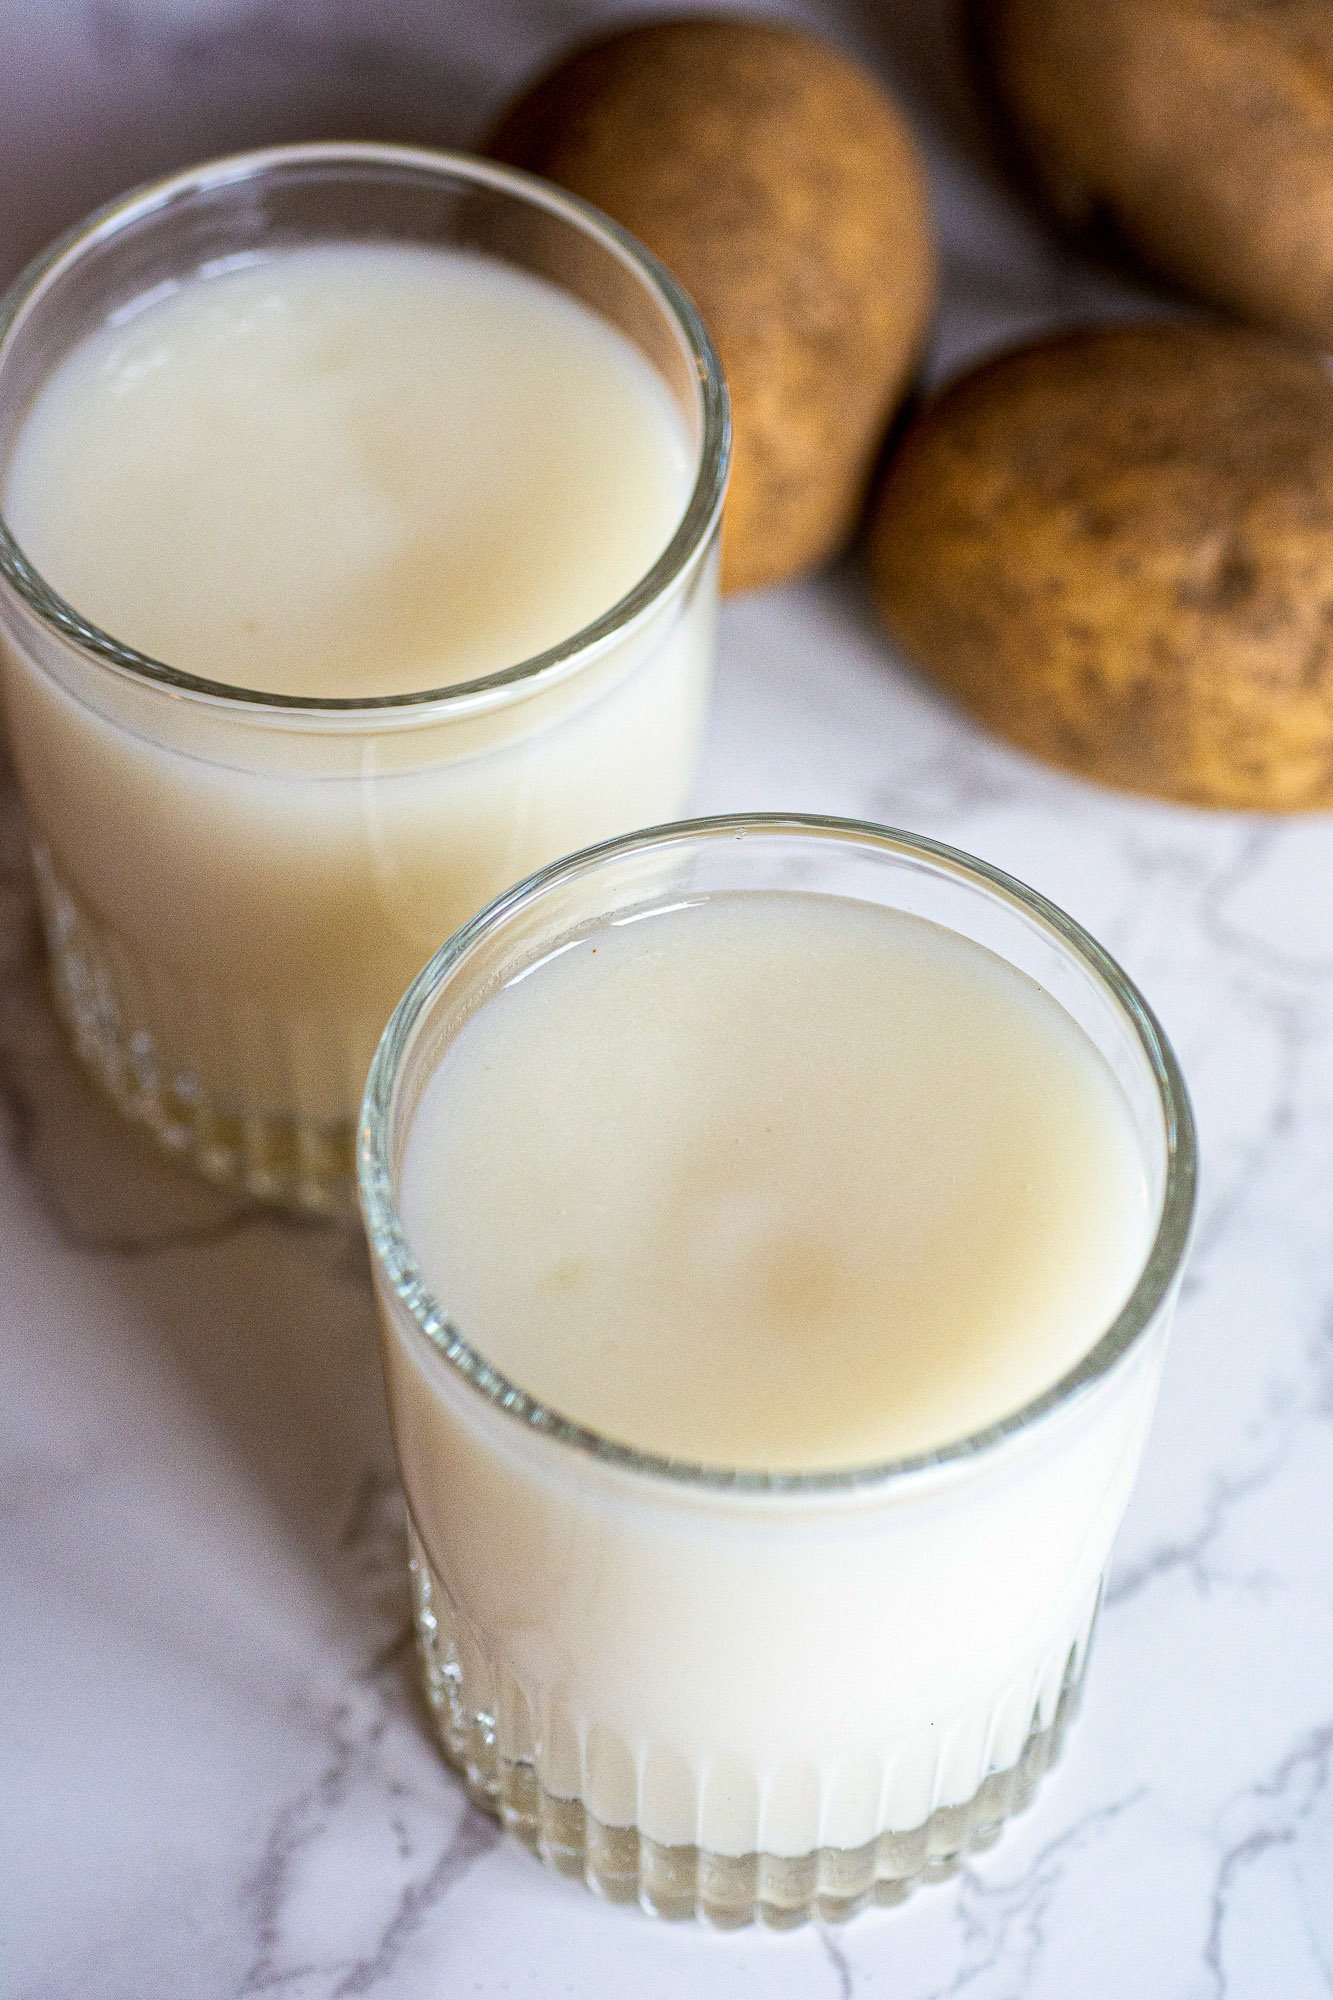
(730, 1693)
(237, 886)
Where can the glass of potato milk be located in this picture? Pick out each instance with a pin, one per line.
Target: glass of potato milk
(358, 556)
(777, 1224)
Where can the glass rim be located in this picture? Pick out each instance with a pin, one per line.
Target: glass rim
(689, 540)
(1158, 1271)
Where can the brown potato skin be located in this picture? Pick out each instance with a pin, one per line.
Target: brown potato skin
(780, 185)
(1198, 134)
(1115, 548)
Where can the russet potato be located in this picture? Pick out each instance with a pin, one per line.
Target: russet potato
(779, 184)
(1115, 548)
(1198, 134)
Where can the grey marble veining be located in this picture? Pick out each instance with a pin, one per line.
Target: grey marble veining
(217, 1780)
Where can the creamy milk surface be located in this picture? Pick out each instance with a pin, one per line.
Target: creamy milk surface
(349, 469)
(776, 1181)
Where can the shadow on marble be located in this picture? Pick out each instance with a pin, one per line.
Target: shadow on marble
(267, 1323)
(127, 92)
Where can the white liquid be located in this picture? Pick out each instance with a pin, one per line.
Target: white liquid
(345, 469)
(781, 1182)
(776, 1182)
(349, 469)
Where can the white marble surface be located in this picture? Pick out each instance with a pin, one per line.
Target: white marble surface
(216, 1780)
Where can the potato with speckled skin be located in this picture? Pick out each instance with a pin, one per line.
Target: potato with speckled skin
(779, 184)
(1198, 134)
(1116, 549)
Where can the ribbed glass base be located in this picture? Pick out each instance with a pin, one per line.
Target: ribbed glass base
(725, 1890)
(115, 1007)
